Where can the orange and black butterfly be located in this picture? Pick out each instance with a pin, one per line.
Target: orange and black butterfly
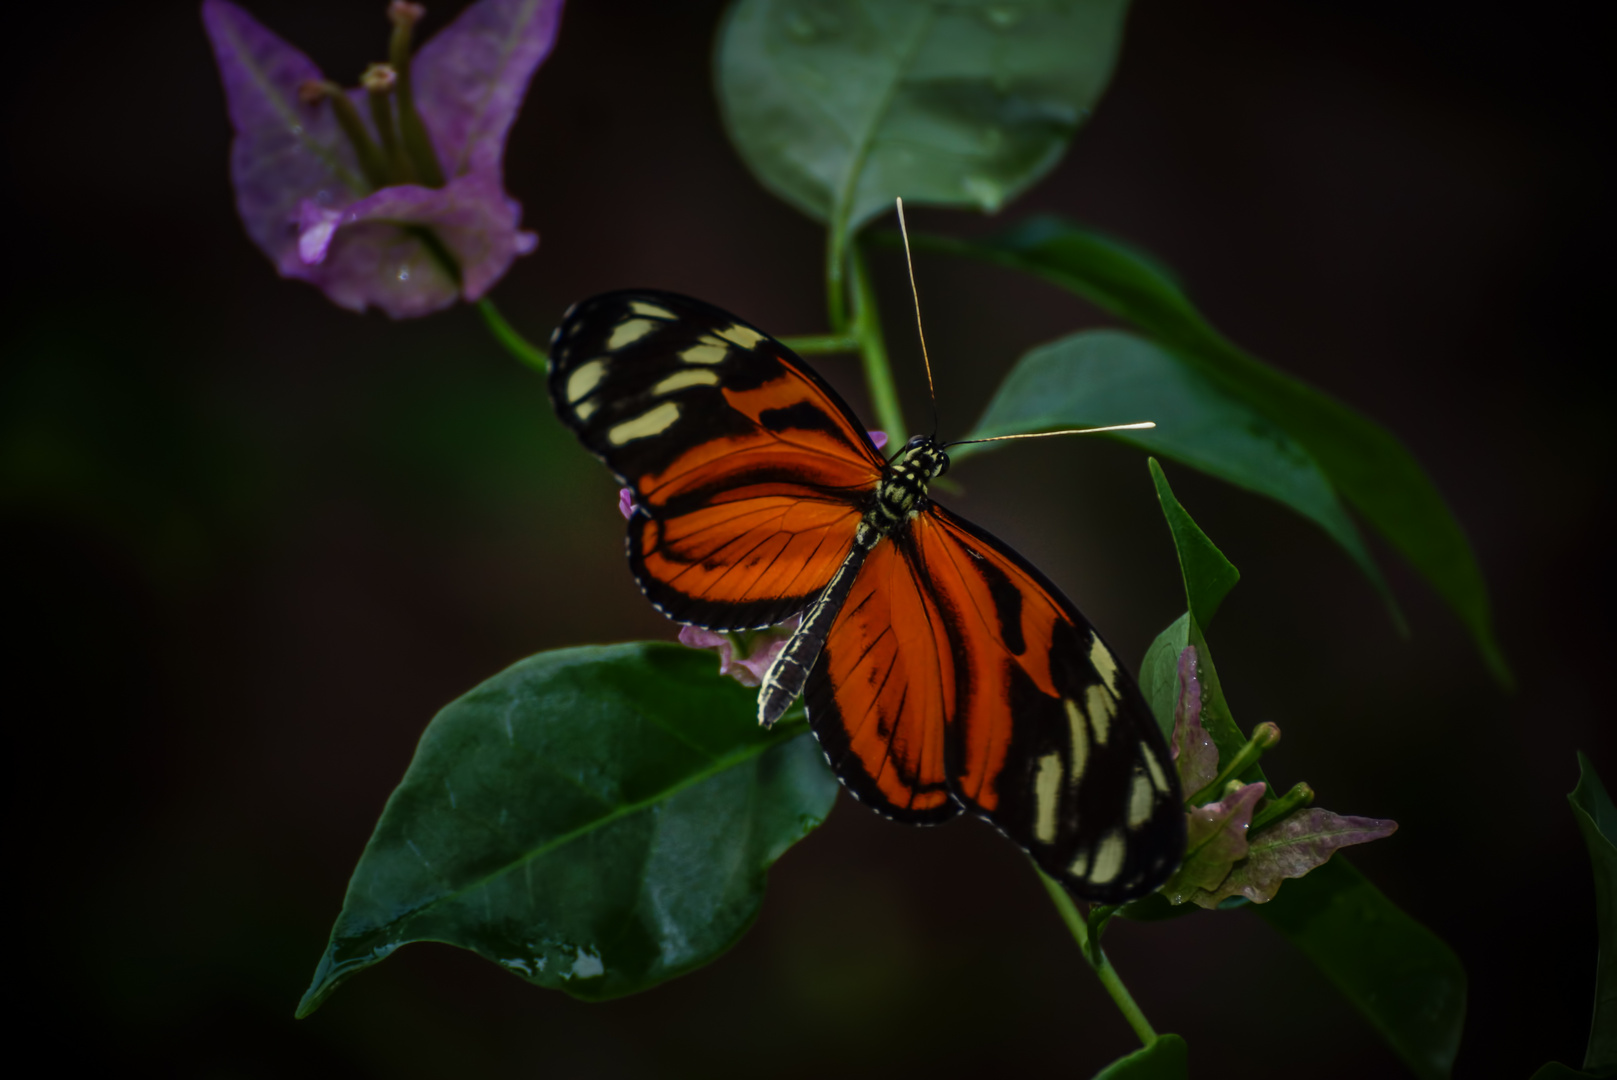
(941, 672)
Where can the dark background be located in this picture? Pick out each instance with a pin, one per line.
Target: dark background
(252, 543)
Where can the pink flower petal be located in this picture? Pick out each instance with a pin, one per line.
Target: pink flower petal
(316, 227)
(1290, 848)
(626, 508)
(471, 77)
(1215, 840)
(1195, 755)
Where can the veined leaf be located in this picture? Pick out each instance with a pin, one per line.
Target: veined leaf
(1166, 1057)
(837, 106)
(595, 820)
(1371, 468)
(1098, 377)
(1597, 820)
(1399, 974)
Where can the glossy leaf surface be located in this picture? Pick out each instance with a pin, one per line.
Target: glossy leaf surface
(594, 820)
(837, 106)
(1366, 463)
(1165, 1058)
(1597, 820)
(1400, 975)
(1100, 377)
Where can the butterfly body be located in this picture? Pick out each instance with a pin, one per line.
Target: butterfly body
(940, 671)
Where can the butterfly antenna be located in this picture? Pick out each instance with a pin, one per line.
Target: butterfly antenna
(919, 329)
(1142, 426)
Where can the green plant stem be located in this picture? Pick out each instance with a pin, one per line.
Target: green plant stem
(821, 344)
(873, 351)
(836, 287)
(519, 346)
(1264, 736)
(1096, 958)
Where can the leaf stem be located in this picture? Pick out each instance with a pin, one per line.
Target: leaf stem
(1264, 736)
(1096, 958)
(873, 351)
(821, 344)
(519, 346)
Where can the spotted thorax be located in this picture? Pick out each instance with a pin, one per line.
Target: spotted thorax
(391, 194)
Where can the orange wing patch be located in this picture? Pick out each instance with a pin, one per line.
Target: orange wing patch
(763, 546)
(1050, 743)
(880, 690)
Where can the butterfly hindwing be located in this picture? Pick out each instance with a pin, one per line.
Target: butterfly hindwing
(749, 474)
(880, 689)
(957, 675)
(1051, 740)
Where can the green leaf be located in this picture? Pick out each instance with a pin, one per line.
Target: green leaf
(1209, 576)
(1399, 974)
(1371, 468)
(1099, 377)
(837, 106)
(1159, 672)
(1597, 820)
(1554, 1070)
(595, 820)
(1166, 1057)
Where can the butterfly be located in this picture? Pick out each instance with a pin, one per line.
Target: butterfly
(940, 670)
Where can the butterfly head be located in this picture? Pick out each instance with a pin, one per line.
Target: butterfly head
(903, 487)
(925, 457)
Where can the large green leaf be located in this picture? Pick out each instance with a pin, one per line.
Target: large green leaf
(1372, 469)
(1100, 377)
(595, 820)
(1165, 1057)
(1399, 974)
(1597, 820)
(837, 106)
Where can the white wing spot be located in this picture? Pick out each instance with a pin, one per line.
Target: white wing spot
(584, 409)
(679, 380)
(640, 307)
(1080, 740)
(1047, 797)
(629, 331)
(585, 379)
(1080, 865)
(1103, 662)
(1102, 707)
(741, 335)
(1109, 858)
(705, 354)
(1158, 779)
(1141, 797)
(655, 422)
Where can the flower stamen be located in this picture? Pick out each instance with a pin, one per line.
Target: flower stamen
(372, 162)
(417, 143)
(379, 81)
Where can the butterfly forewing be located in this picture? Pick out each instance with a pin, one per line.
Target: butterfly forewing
(749, 474)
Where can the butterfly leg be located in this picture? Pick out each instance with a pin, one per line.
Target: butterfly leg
(784, 680)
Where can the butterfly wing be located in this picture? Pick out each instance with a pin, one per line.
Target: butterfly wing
(958, 675)
(1052, 740)
(881, 687)
(749, 473)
